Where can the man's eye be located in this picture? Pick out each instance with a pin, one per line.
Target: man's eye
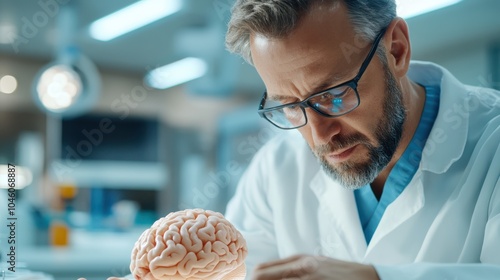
(325, 96)
(322, 99)
(339, 93)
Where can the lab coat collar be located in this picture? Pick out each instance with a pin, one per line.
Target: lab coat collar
(446, 141)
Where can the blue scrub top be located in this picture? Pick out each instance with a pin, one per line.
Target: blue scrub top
(369, 208)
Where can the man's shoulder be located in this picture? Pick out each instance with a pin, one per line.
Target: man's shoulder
(483, 109)
(486, 98)
(467, 128)
(282, 165)
(466, 115)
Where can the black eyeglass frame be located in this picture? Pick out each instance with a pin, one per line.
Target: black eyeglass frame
(353, 83)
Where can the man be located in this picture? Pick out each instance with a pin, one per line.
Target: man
(403, 178)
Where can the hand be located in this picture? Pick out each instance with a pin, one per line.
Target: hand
(314, 268)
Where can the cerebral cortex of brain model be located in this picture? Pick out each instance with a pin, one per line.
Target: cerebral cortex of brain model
(190, 244)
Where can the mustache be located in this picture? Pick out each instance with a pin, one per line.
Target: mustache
(341, 142)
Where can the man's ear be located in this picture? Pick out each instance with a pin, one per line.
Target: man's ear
(398, 48)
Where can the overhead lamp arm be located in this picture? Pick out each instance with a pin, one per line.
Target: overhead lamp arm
(70, 85)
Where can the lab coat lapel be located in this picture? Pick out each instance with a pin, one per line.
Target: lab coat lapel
(446, 141)
(409, 202)
(340, 231)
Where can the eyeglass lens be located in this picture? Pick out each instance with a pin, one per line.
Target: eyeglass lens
(334, 102)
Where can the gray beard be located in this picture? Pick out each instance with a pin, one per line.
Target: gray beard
(356, 175)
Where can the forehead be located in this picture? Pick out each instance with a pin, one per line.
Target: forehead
(316, 52)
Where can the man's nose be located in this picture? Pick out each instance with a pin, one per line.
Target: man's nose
(323, 129)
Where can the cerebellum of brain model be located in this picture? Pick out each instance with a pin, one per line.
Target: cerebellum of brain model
(190, 244)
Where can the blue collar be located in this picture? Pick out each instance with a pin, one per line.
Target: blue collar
(369, 208)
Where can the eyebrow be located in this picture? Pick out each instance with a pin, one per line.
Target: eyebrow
(319, 87)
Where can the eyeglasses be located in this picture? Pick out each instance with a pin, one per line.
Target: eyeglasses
(333, 102)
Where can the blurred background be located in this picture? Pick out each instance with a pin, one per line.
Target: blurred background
(118, 112)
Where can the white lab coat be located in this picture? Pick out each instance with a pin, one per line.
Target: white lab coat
(444, 225)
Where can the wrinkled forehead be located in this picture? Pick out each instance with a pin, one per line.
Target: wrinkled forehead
(323, 45)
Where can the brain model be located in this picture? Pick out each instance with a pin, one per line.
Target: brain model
(189, 244)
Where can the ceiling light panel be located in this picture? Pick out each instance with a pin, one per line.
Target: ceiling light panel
(132, 17)
(412, 8)
(179, 72)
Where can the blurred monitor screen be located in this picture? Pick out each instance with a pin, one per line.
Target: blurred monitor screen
(94, 137)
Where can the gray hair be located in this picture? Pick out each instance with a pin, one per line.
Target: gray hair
(278, 18)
